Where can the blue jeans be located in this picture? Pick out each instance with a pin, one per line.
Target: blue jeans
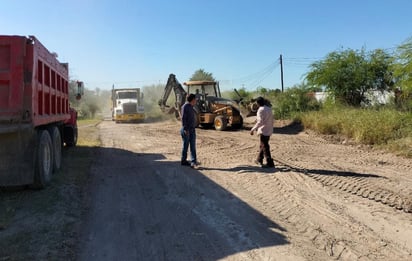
(189, 140)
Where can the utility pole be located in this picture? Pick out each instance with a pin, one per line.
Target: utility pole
(281, 71)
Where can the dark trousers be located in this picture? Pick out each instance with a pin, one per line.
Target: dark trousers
(188, 140)
(264, 149)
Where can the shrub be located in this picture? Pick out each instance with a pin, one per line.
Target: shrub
(367, 126)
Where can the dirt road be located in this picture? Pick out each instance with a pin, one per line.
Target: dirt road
(324, 201)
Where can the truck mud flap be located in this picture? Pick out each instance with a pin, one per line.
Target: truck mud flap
(70, 134)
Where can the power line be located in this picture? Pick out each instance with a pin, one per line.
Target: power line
(254, 80)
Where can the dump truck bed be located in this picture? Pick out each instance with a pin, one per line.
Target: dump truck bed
(33, 84)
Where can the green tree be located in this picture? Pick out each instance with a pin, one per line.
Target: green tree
(238, 95)
(262, 91)
(403, 75)
(298, 98)
(201, 75)
(152, 94)
(348, 75)
(90, 102)
(243, 93)
(403, 67)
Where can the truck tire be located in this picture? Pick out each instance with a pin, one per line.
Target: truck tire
(43, 166)
(220, 123)
(57, 148)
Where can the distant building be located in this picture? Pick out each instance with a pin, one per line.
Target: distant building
(321, 96)
(375, 97)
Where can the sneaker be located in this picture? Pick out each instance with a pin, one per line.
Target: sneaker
(185, 163)
(194, 164)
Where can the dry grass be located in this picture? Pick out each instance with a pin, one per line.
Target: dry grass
(386, 128)
(88, 133)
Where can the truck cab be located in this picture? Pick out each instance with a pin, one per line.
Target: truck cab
(127, 105)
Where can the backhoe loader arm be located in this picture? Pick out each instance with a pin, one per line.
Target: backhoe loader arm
(180, 95)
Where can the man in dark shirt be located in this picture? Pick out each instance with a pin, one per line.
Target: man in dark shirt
(188, 131)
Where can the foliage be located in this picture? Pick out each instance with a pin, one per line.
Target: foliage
(152, 95)
(297, 99)
(348, 75)
(383, 127)
(403, 75)
(238, 95)
(91, 101)
(267, 93)
(201, 75)
(403, 69)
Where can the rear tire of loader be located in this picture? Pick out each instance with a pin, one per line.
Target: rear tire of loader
(43, 166)
(57, 148)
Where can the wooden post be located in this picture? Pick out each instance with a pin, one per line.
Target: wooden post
(281, 71)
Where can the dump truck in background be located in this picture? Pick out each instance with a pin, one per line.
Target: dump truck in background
(36, 119)
(127, 105)
(211, 109)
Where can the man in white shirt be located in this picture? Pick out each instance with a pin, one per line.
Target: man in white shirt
(264, 128)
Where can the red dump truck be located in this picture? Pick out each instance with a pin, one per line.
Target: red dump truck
(35, 116)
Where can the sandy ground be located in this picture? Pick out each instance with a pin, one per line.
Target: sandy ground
(323, 201)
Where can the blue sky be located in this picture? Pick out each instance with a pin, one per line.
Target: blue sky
(138, 43)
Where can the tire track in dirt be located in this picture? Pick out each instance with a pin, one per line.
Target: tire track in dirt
(361, 187)
(291, 206)
(214, 150)
(296, 207)
(341, 167)
(370, 186)
(326, 167)
(287, 208)
(251, 182)
(300, 165)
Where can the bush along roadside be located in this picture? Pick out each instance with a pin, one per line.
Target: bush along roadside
(385, 128)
